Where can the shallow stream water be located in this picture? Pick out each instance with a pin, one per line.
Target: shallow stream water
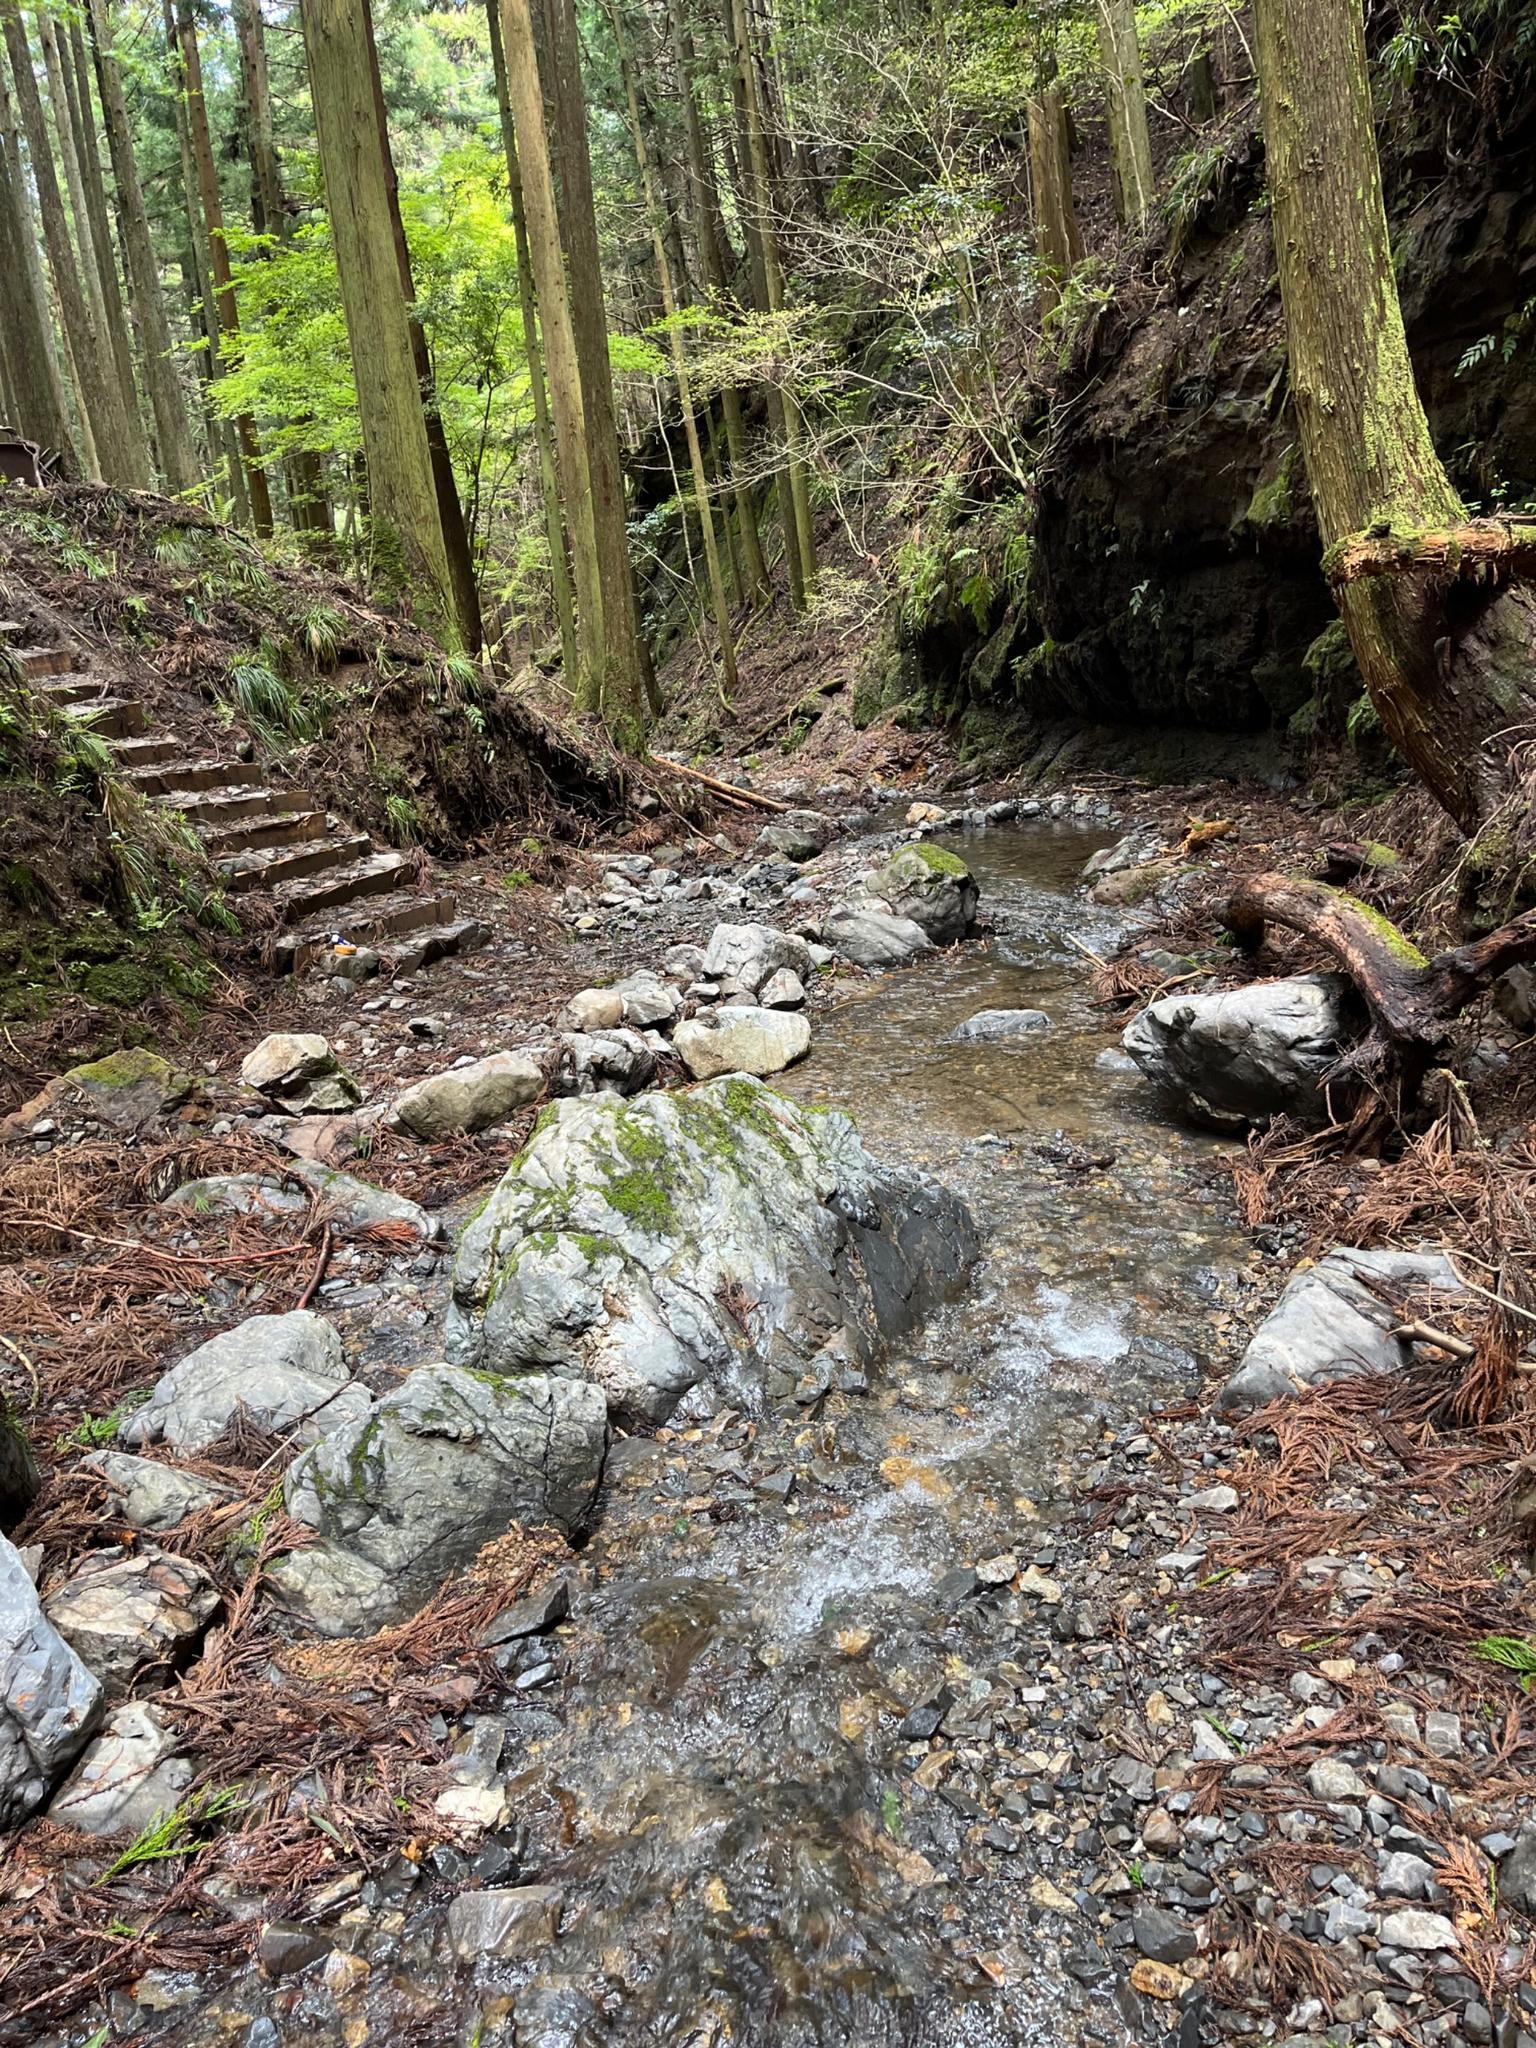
(749, 1847)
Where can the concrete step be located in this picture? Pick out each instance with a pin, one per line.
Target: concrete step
(251, 829)
(270, 867)
(111, 718)
(37, 662)
(224, 806)
(71, 689)
(435, 942)
(377, 875)
(139, 752)
(371, 923)
(177, 779)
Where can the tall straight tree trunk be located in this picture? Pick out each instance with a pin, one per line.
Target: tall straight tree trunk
(629, 684)
(32, 367)
(197, 274)
(1125, 96)
(784, 407)
(308, 505)
(173, 434)
(75, 80)
(719, 602)
(101, 289)
(450, 507)
(543, 432)
(526, 99)
(121, 460)
(1449, 664)
(406, 528)
(708, 234)
(1058, 237)
(218, 250)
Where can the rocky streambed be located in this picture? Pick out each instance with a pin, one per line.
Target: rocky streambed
(878, 1709)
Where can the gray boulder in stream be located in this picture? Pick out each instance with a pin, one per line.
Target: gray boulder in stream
(1242, 1055)
(930, 887)
(723, 1239)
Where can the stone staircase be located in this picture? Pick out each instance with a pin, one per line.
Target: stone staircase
(324, 879)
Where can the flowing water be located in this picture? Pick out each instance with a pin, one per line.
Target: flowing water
(720, 1783)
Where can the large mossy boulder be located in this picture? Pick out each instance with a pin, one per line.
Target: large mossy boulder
(930, 887)
(724, 1239)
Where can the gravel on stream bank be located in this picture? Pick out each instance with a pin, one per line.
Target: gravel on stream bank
(1215, 1729)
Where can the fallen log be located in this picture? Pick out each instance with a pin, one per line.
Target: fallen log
(1413, 1001)
(1485, 550)
(751, 797)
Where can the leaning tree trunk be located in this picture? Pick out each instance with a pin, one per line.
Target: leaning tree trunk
(1449, 661)
(173, 434)
(406, 533)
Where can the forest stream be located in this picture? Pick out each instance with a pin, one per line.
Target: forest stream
(751, 1842)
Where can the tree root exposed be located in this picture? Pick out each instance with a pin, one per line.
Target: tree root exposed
(1484, 550)
(1413, 1001)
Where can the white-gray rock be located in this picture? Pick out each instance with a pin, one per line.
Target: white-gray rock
(1405, 1876)
(874, 938)
(299, 1070)
(128, 1778)
(685, 963)
(798, 835)
(741, 1039)
(782, 991)
(1329, 1325)
(471, 1098)
(286, 1372)
(989, 1025)
(516, 1922)
(1333, 1779)
(1412, 1928)
(134, 1618)
(424, 1479)
(150, 1495)
(1243, 1055)
(49, 1701)
(748, 953)
(603, 1062)
(722, 1234)
(592, 1009)
(648, 1003)
(929, 886)
(350, 1202)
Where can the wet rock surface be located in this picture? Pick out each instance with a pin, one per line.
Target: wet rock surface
(720, 1238)
(1240, 1056)
(921, 1706)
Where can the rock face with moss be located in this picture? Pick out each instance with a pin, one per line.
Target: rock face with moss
(681, 1249)
(435, 1470)
(929, 886)
(1240, 1056)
